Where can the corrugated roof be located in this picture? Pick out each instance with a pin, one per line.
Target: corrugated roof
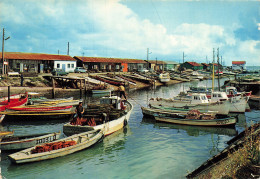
(238, 62)
(36, 56)
(109, 60)
(194, 64)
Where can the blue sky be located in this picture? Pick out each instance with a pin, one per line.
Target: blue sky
(126, 28)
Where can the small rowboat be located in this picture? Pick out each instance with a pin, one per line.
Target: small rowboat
(76, 142)
(23, 142)
(227, 121)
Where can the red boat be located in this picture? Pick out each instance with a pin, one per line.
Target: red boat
(15, 100)
(50, 108)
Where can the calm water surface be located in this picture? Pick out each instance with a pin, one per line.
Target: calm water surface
(143, 149)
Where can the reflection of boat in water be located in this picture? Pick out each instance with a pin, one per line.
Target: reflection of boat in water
(116, 140)
(195, 130)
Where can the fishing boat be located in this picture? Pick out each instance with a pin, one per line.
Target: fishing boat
(151, 112)
(194, 117)
(15, 100)
(41, 108)
(111, 114)
(197, 101)
(164, 77)
(58, 148)
(26, 141)
(238, 104)
(197, 130)
(36, 115)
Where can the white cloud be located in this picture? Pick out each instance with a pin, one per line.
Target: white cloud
(111, 28)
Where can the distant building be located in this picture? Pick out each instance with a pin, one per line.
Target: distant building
(192, 65)
(156, 65)
(215, 66)
(110, 64)
(38, 62)
(171, 66)
(238, 65)
(205, 66)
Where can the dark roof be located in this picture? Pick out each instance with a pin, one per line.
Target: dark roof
(36, 56)
(108, 60)
(194, 63)
(205, 64)
(238, 62)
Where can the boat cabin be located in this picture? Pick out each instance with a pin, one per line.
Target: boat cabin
(231, 90)
(218, 96)
(197, 98)
(114, 100)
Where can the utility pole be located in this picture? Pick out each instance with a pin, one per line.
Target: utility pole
(3, 44)
(68, 53)
(58, 52)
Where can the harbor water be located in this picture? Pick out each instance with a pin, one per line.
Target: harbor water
(144, 149)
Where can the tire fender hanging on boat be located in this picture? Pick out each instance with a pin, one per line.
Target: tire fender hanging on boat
(125, 122)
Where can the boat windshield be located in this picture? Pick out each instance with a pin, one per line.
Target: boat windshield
(203, 98)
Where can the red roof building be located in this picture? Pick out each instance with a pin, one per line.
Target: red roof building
(109, 64)
(238, 65)
(37, 62)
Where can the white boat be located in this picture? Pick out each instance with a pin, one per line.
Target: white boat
(192, 101)
(23, 142)
(164, 77)
(237, 103)
(58, 148)
(110, 121)
(197, 75)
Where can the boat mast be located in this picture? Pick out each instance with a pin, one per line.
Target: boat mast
(218, 71)
(213, 70)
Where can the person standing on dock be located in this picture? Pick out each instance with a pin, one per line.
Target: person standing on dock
(121, 90)
(21, 79)
(80, 110)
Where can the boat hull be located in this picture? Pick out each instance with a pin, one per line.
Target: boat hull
(29, 142)
(83, 140)
(238, 106)
(219, 107)
(230, 121)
